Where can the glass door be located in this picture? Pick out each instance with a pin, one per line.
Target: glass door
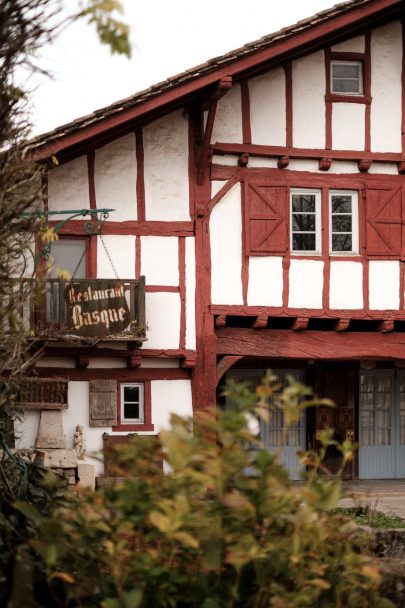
(271, 432)
(378, 436)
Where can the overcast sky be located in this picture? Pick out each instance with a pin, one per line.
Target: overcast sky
(168, 36)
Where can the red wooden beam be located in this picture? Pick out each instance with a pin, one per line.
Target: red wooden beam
(288, 344)
(292, 152)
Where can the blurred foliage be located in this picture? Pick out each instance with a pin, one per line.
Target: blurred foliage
(222, 527)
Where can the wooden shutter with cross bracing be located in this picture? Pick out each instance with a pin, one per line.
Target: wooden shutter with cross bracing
(103, 403)
(266, 213)
(385, 217)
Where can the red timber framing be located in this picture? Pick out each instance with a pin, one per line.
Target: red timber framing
(199, 93)
(309, 345)
(333, 25)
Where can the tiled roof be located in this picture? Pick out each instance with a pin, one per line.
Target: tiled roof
(193, 74)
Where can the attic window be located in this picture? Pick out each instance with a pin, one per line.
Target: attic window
(347, 78)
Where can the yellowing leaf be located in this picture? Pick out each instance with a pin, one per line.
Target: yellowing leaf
(186, 539)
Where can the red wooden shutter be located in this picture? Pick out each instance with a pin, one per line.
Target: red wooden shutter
(266, 219)
(384, 222)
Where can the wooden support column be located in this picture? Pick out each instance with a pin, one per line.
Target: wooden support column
(204, 379)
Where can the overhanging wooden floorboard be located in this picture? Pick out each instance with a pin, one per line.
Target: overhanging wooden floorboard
(310, 344)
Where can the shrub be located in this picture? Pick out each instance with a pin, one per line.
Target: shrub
(223, 527)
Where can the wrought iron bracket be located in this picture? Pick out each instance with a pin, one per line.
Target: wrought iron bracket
(91, 227)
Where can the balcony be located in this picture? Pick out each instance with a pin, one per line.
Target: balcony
(84, 308)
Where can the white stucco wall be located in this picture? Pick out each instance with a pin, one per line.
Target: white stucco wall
(228, 118)
(308, 80)
(348, 126)
(384, 284)
(346, 285)
(297, 164)
(122, 252)
(226, 247)
(353, 45)
(115, 178)
(384, 168)
(386, 68)
(162, 320)
(160, 260)
(170, 396)
(68, 186)
(78, 413)
(261, 161)
(166, 168)
(190, 293)
(265, 281)
(69, 362)
(306, 283)
(267, 108)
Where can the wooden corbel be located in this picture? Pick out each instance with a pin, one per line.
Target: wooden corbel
(82, 361)
(324, 164)
(189, 361)
(243, 159)
(283, 162)
(134, 361)
(342, 324)
(260, 322)
(386, 326)
(401, 167)
(220, 321)
(364, 165)
(211, 104)
(300, 323)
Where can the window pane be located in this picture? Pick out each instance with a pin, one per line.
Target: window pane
(341, 242)
(346, 86)
(66, 254)
(303, 202)
(131, 393)
(303, 222)
(303, 242)
(341, 204)
(346, 70)
(341, 223)
(131, 410)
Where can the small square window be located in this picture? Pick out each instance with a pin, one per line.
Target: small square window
(132, 403)
(305, 221)
(343, 215)
(347, 77)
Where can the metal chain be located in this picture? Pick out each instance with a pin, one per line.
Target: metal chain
(79, 262)
(109, 257)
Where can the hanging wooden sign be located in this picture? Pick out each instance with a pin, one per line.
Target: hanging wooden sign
(96, 309)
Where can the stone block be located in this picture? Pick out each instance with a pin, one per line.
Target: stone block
(56, 459)
(87, 475)
(50, 432)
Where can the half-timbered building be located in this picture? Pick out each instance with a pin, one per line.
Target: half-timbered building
(257, 221)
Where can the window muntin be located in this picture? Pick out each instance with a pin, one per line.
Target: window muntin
(132, 403)
(346, 78)
(343, 222)
(305, 221)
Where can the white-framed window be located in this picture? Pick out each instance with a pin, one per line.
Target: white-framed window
(132, 402)
(305, 221)
(343, 222)
(346, 77)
